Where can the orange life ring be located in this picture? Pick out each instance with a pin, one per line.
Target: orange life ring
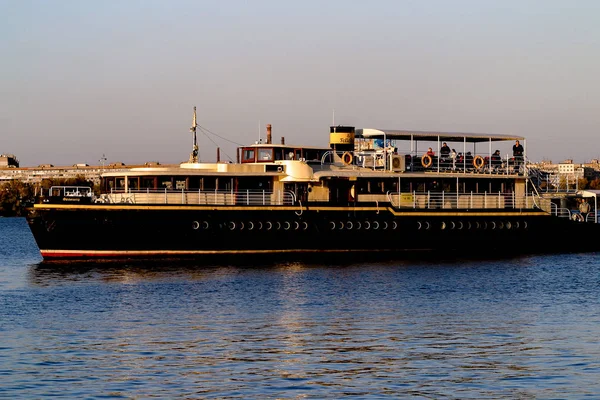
(426, 160)
(347, 158)
(478, 162)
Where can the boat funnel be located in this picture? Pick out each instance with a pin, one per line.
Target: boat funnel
(269, 134)
(341, 138)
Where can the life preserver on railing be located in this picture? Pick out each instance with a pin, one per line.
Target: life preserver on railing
(478, 162)
(347, 158)
(426, 160)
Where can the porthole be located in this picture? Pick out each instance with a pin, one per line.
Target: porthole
(341, 225)
(524, 224)
(349, 225)
(278, 225)
(385, 225)
(241, 226)
(493, 225)
(500, 225)
(231, 225)
(305, 225)
(296, 225)
(419, 226)
(358, 225)
(287, 225)
(443, 225)
(427, 225)
(460, 225)
(375, 224)
(394, 225)
(452, 225)
(508, 225)
(367, 225)
(250, 225)
(332, 225)
(260, 225)
(195, 225)
(269, 225)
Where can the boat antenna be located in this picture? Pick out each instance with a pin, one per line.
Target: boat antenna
(102, 160)
(194, 155)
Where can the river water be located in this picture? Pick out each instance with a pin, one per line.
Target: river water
(525, 328)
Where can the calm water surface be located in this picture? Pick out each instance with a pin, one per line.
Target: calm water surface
(524, 328)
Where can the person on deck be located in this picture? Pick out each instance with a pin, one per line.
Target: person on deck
(518, 153)
(453, 157)
(469, 160)
(444, 154)
(496, 160)
(584, 208)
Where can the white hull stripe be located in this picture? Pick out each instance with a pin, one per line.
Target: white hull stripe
(138, 253)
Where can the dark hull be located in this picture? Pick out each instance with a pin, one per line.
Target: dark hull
(181, 232)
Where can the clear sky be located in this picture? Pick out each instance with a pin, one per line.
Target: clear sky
(79, 79)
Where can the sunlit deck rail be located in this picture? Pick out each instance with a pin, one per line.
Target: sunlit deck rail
(199, 197)
(465, 201)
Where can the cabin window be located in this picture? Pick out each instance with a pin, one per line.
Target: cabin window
(120, 183)
(148, 182)
(248, 155)
(180, 183)
(265, 154)
(133, 183)
(166, 183)
(109, 184)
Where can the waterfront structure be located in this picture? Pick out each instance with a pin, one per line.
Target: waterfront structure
(8, 161)
(36, 175)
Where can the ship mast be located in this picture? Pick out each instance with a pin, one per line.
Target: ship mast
(194, 155)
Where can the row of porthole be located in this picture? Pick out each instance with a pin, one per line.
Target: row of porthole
(476, 225)
(366, 225)
(259, 225)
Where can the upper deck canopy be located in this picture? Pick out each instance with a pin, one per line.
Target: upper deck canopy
(368, 133)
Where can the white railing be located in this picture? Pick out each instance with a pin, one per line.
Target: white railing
(447, 200)
(199, 197)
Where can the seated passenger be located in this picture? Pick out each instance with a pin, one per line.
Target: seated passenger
(469, 160)
(496, 160)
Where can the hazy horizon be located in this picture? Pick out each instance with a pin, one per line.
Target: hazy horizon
(83, 79)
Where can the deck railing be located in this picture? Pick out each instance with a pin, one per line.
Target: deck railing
(199, 197)
(452, 200)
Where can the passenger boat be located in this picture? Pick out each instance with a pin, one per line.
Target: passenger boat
(370, 191)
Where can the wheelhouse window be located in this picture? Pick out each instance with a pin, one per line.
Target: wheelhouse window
(265, 154)
(248, 155)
